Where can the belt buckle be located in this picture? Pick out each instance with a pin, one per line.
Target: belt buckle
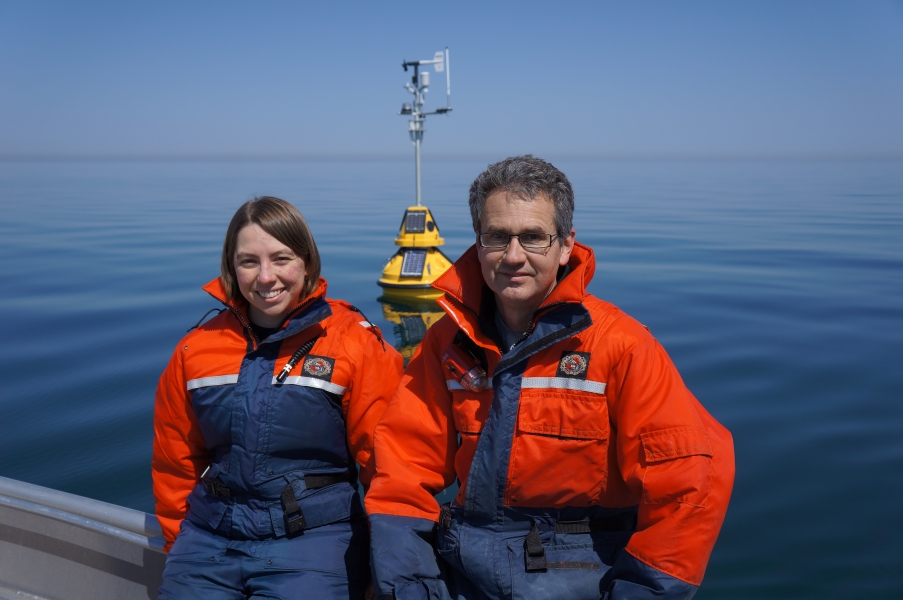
(294, 516)
(295, 523)
(217, 488)
(534, 552)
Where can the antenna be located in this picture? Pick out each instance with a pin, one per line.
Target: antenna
(419, 86)
(447, 81)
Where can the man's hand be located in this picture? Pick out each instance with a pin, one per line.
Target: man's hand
(370, 594)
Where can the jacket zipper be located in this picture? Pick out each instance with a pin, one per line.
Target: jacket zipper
(247, 326)
(527, 333)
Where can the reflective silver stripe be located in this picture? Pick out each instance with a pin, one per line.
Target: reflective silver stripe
(211, 381)
(366, 324)
(563, 383)
(314, 383)
(453, 385)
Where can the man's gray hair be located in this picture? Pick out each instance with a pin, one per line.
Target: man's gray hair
(525, 176)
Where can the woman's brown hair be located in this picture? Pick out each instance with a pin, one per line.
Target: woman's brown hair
(282, 221)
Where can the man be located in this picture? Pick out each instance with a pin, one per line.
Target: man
(586, 467)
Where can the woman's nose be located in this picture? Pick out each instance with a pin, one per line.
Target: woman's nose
(267, 273)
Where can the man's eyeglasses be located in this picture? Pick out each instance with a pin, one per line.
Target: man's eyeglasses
(528, 241)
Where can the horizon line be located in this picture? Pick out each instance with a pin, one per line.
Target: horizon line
(455, 157)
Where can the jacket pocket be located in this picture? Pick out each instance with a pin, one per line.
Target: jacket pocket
(678, 464)
(339, 548)
(575, 571)
(205, 510)
(559, 454)
(194, 544)
(565, 413)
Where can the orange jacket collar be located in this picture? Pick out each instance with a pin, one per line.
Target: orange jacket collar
(215, 288)
(464, 280)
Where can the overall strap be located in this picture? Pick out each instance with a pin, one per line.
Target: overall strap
(294, 516)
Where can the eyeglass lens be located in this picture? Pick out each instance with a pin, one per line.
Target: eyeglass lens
(530, 241)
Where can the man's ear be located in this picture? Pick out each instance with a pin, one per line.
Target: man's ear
(567, 244)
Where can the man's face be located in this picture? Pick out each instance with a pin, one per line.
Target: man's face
(521, 279)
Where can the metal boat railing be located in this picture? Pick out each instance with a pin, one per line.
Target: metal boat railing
(60, 546)
(126, 524)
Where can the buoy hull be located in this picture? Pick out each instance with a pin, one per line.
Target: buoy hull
(418, 263)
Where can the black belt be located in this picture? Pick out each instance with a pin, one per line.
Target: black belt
(600, 524)
(215, 487)
(315, 482)
(294, 518)
(535, 554)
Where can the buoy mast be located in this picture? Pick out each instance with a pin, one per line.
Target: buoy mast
(419, 261)
(419, 86)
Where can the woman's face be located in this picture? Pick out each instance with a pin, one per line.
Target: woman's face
(270, 276)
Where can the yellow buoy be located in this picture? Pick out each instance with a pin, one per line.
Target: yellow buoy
(419, 262)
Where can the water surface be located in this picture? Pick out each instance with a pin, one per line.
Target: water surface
(775, 287)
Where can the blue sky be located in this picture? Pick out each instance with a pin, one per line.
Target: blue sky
(679, 78)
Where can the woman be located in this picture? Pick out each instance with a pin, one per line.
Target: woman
(260, 416)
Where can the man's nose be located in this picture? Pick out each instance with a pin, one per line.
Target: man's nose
(515, 253)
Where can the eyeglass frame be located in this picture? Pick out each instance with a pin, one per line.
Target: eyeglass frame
(552, 237)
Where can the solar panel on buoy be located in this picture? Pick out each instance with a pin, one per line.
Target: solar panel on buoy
(415, 221)
(412, 266)
(413, 328)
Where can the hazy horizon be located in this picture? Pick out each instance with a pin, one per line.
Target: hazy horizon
(693, 80)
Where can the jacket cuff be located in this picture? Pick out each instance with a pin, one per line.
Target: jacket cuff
(635, 580)
(402, 557)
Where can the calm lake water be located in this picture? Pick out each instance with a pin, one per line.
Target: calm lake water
(776, 287)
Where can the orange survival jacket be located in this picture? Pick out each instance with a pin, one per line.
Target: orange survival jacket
(625, 432)
(361, 373)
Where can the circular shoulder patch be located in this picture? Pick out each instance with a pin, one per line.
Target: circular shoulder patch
(318, 367)
(573, 364)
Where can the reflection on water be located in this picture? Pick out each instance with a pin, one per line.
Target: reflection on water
(410, 319)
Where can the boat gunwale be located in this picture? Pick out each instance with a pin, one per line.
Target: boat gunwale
(126, 524)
